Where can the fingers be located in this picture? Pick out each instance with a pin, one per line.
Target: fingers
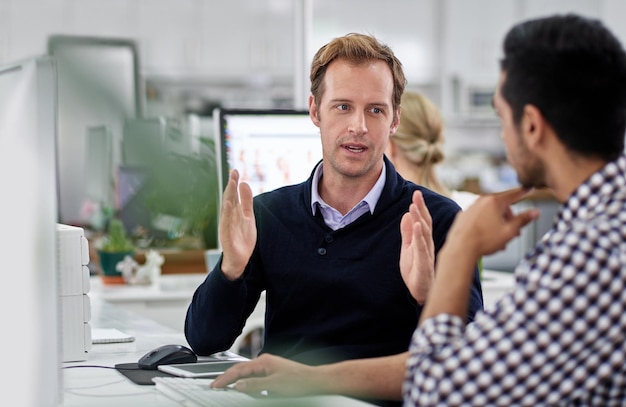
(420, 214)
(245, 194)
(513, 225)
(406, 229)
(524, 218)
(515, 222)
(253, 385)
(420, 205)
(239, 371)
(230, 192)
(420, 242)
(236, 193)
(266, 373)
(416, 225)
(490, 223)
(417, 251)
(512, 196)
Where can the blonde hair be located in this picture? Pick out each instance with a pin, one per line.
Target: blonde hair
(420, 138)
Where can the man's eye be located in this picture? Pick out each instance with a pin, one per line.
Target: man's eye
(343, 107)
(376, 110)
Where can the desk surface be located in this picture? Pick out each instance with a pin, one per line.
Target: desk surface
(92, 386)
(100, 387)
(167, 300)
(168, 287)
(182, 287)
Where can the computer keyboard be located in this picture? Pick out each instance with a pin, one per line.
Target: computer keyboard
(197, 393)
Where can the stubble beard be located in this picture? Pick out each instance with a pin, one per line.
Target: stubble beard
(533, 175)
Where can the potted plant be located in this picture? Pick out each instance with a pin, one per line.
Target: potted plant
(185, 187)
(112, 249)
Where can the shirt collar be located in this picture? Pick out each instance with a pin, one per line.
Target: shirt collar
(593, 195)
(371, 199)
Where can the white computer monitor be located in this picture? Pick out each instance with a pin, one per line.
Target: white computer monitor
(270, 148)
(29, 311)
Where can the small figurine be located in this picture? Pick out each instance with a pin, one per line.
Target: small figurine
(147, 273)
(127, 268)
(150, 271)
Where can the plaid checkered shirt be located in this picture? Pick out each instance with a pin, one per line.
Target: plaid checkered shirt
(559, 338)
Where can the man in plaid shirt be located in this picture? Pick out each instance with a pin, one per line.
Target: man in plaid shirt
(560, 337)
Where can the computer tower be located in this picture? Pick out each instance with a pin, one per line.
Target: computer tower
(74, 286)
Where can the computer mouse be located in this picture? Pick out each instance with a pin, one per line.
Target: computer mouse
(167, 355)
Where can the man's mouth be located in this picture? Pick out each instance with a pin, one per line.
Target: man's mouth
(355, 149)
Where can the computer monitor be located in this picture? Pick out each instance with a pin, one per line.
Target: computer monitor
(270, 148)
(29, 301)
(132, 189)
(99, 181)
(98, 88)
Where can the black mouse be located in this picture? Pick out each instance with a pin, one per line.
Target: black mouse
(167, 355)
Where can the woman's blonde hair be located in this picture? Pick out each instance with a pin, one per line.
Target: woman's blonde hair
(420, 137)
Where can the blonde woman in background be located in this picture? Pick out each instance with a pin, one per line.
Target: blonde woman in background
(417, 146)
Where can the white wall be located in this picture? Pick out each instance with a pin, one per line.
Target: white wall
(196, 44)
(179, 38)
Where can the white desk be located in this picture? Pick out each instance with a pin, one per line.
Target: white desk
(85, 387)
(167, 301)
(96, 387)
(107, 387)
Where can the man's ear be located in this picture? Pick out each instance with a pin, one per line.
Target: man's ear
(533, 126)
(396, 122)
(313, 112)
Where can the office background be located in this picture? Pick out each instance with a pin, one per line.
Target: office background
(197, 54)
(244, 52)
(255, 53)
(194, 55)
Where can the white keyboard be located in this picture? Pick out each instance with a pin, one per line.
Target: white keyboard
(197, 393)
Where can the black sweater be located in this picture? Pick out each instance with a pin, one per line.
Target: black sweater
(330, 295)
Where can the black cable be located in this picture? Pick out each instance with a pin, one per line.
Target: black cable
(103, 367)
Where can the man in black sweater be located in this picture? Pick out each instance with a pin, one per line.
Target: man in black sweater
(327, 251)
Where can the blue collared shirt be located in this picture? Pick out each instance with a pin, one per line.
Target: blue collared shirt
(333, 218)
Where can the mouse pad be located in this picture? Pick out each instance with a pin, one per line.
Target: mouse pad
(139, 376)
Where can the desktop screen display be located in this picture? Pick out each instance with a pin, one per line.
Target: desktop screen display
(29, 293)
(269, 148)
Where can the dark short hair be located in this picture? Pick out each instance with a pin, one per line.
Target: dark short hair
(356, 49)
(573, 69)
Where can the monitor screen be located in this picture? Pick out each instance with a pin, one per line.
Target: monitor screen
(269, 148)
(132, 184)
(29, 293)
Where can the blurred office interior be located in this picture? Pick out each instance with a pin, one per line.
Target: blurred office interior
(182, 58)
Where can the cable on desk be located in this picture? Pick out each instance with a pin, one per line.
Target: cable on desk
(102, 367)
